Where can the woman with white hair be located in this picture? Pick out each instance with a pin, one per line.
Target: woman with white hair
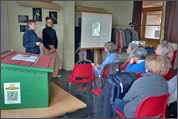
(163, 49)
(130, 49)
(139, 55)
(171, 50)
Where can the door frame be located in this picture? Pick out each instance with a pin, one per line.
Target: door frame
(9, 23)
(149, 40)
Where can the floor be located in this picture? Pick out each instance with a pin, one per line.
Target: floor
(81, 95)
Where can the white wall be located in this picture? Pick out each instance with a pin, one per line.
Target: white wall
(121, 10)
(122, 15)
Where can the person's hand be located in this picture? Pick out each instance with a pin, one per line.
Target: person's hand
(38, 43)
(95, 68)
(132, 60)
(41, 35)
(96, 64)
(52, 50)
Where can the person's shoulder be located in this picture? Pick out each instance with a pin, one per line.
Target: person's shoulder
(26, 32)
(44, 29)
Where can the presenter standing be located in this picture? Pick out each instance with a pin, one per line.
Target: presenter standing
(50, 43)
(30, 39)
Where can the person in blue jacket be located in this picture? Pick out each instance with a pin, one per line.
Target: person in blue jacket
(30, 39)
(112, 57)
(139, 55)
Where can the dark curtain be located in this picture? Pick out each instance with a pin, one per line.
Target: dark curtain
(136, 16)
(170, 29)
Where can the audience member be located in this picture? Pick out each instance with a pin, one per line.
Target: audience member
(139, 55)
(150, 84)
(171, 50)
(130, 49)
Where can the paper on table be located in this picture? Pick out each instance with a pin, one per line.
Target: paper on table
(26, 58)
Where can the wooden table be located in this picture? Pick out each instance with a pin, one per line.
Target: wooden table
(60, 103)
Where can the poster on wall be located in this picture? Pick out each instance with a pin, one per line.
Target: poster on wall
(12, 93)
(23, 28)
(37, 14)
(53, 15)
(22, 18)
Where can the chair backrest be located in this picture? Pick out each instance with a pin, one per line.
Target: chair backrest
(105, 72)
(139, 74)
(168, 75)
(83, 71)
(125, 66)
(152, 107)
(173, 58)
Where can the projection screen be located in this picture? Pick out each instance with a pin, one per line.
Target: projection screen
(95, 29)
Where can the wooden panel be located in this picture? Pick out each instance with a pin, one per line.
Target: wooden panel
(88, 9)
(46, 1)
(39, 4)
(60, 103)
(6, 54)
(152, 42)
(93, 48)
(99, 56)
(51, 63)
(43, 62)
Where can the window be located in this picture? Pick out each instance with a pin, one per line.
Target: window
(151, 21)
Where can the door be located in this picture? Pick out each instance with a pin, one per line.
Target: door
(5, 41)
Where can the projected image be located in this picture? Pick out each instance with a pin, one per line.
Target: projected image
(96, 29)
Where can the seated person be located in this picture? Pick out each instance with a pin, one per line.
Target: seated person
(171, 50)
(130, 49)
(171, 109)
(163, 49)
(139, 55)
(150, 84)
(112, 57)
(172, 89)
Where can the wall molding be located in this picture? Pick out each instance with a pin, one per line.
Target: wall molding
(89, 9)
(39, 4)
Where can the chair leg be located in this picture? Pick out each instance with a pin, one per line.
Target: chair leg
(90, 105)
(69, 87)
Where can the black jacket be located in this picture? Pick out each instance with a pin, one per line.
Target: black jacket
(121, 83)
(104, 106)
(49, 37)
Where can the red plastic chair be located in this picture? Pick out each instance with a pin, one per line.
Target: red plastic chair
(151, 107)
(125, 66)
(173, 76)
(139, 74)
(83, 71)
(173, 58)
(168, 75)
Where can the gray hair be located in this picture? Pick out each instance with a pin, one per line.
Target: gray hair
(164, 48)
(140, 53)
(165, 40)
(133, 46)
(110, 46)
(30, 23)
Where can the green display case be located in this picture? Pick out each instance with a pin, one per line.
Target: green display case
(25, 86)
